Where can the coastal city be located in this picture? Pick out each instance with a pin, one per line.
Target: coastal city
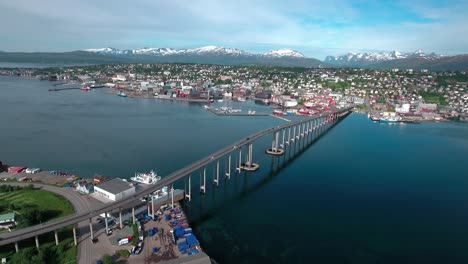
(233, 132)
(385, 95)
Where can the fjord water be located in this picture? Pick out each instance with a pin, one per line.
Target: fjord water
(362, 193)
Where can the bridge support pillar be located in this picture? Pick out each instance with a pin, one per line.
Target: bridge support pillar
(239, 166)
(228, 169)
(203, 181)
(172, 196)
(249, 165)
(74, 236)
(152, 206)
(294, 134)
(107, 224)
(284, 133)
(188, 193)
(216, 179)
(56, 238)
(37, 242)
(120, 219)
(91, 235)
(133, 215)
(16, 247)
(275, 150)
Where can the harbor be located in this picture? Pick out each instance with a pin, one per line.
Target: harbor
(164, 233)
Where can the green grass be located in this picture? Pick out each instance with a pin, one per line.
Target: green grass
(43, 199)
(123, 253)
(47, 202)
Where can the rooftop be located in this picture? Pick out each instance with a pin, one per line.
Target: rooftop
(114, 185)
(7, 217)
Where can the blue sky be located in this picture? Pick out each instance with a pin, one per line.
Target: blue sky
(314, 27)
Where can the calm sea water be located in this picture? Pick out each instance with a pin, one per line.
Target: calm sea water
(362, 193)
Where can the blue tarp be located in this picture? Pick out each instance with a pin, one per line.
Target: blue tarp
(168, 217)
(155, 230)
(155, 249)
(179, 232)
(191, 240)
(182, 247)
(188, 231)
(193, 252)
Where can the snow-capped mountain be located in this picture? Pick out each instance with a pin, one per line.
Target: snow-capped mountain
(169, 51)
(284, 53)
(207, 50)
(366, 59)
(209, 54)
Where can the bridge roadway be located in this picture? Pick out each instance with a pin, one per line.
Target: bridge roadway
(29, 232)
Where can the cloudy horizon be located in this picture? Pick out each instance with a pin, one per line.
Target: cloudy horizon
(315, 28)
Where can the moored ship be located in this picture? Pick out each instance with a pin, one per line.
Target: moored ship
(146, 178)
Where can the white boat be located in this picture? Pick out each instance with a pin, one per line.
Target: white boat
(220, 100)
(206, 107)
(146, 178)
(241, 99)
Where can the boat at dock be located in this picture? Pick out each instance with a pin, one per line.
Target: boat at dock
(122, 94)
(303, 111)
(278, 112)
(388, 120)
(146, 178)
(85, 88)
(309, 104)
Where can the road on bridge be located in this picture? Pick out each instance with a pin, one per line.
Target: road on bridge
(88, 213)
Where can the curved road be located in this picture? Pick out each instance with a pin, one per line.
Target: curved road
(80, 203)
(88, 213)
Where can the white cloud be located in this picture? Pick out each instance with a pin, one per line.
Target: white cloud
(307, 26)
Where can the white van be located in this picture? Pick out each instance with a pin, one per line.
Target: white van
(123, 241)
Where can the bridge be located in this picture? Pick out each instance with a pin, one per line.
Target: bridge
(304, 130)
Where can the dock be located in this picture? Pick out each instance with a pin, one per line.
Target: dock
(233, 114)
(74, 88)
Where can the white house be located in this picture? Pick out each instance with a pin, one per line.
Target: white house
(114, 189)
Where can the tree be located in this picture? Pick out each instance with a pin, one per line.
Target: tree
(32, 215)
(106, 259)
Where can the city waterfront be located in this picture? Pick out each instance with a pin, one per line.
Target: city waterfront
(364, 193)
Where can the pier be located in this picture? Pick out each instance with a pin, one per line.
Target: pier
(74, 88)
(233, 114)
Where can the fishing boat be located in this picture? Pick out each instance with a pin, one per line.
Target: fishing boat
(146, 178)
(278, 112)
(122, 94)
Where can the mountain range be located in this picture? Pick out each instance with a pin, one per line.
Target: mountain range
(233, 56)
